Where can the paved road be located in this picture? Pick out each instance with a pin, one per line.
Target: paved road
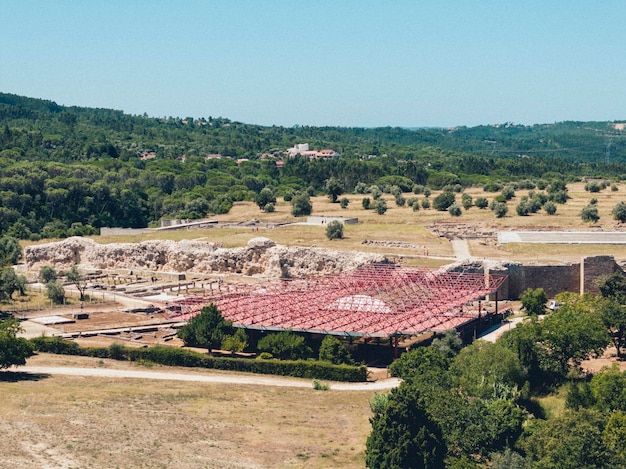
(562, 237)
(379, 385)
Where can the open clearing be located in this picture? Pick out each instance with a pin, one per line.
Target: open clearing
(99, 422)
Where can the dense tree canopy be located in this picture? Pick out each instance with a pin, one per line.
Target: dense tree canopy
(69, 170)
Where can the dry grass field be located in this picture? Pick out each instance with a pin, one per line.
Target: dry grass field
(75, 422)
(404, 225)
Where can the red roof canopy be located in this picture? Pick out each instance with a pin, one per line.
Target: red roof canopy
(379, 300)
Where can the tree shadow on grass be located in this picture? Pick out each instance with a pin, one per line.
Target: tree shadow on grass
(16, 376)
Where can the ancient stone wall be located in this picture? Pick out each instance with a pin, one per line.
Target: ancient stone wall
(594, 267)
(260, 257)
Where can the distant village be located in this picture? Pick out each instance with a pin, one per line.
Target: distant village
(299, 149)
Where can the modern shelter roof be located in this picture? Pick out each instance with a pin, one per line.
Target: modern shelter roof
(379, 300)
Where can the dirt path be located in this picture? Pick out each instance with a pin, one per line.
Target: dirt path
(379, 385)
(461, 249)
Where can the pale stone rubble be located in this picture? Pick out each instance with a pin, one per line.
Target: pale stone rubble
(261, 257)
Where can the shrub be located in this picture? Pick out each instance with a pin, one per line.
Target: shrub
(265, 197)
(481, 202)
(301, 205)
(592, 187)
(466, 201)
(492, 187)
(559, 197)
(550, 208)
(366, 203)
(443, 201)
(55, 292)
(589, 214)
(269, 208)
(334, 230)
(333, 351)
(344, 202)
(47, 274)
(522, 209)
(418, 189)
(500, 209)
(285, 345)
(425, 204)
(400, 200)
(454, 210)
(319, 386)
(619, 212)
(380, 206)
(508, 193)
(360, 188)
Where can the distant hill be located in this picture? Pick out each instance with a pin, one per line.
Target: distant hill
(70, 170)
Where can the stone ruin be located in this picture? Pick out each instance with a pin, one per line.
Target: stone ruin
(261, 257)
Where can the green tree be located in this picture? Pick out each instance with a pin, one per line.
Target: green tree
(450, 343)
(366, 202)
(550, 208)
(573, 333)
(333, 189)
(487, 370)
(443, 201)
(614, 437)
(534, 301)
(332, 350)
(466, 201)
(613, 311)
(403, 435)
(236, 342)
(500, 209)
(207, 329)
(571, 440)
(301, 205)
(10, 251)
(77, 279)
(344, 202)
(55, 292)
(334, 230)
(481, 202)
(589, 214)
(47, 274)
(454, 210)
(285, 345)
(264, 197)
(10, 283)
(13, 350)
(380, 206)
(613, 316)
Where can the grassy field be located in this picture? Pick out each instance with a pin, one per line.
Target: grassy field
(404, 225)
(74, 422)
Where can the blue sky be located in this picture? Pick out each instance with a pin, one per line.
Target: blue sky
(322, 62)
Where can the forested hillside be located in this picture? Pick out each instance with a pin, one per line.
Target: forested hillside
(72, 170)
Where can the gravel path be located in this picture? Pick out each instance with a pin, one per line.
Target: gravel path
(379, 385)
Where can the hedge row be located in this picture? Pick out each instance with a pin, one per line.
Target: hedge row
(180, 357)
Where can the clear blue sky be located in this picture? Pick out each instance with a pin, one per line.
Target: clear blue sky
(323, 62)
